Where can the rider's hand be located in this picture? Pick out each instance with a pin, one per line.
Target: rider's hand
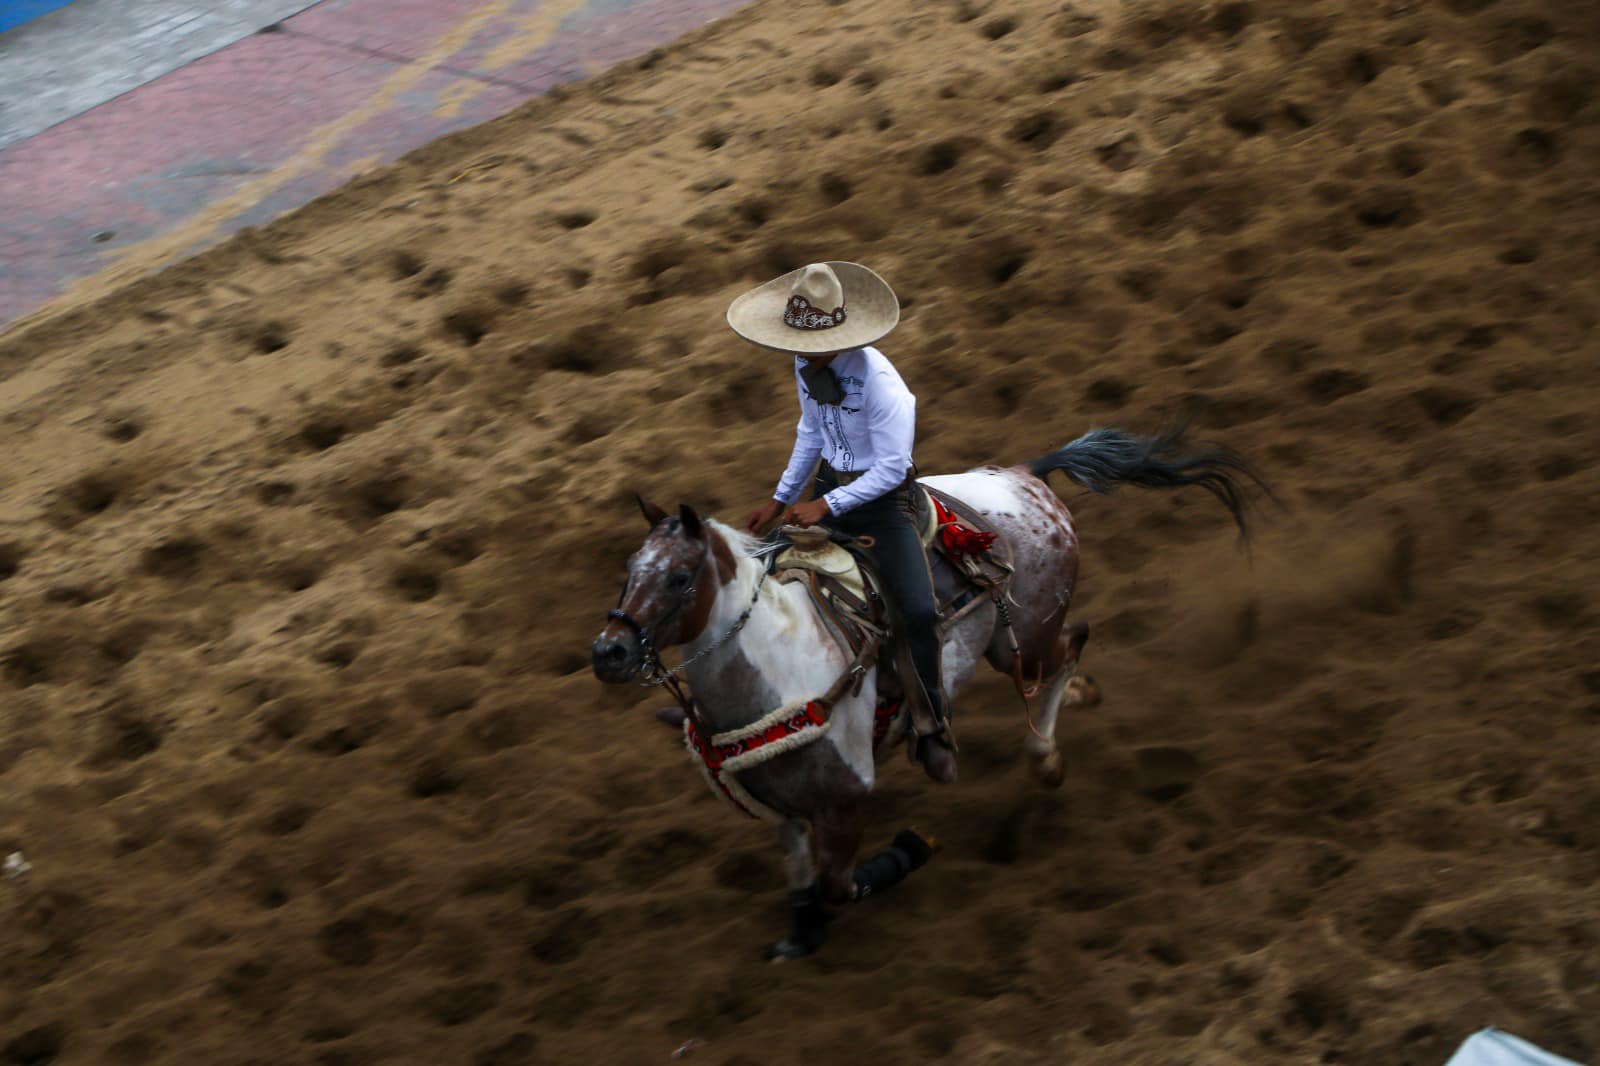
(759, 520)
(810, 513)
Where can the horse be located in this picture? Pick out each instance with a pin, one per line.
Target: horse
(755, 651)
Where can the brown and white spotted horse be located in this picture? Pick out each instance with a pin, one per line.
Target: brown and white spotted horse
(758, 653)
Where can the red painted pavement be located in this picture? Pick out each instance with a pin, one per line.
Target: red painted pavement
(140, 165)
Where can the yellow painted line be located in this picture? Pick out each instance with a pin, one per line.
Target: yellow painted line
(131, 262)
(539, 28)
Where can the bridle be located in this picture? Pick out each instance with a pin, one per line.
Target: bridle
(651, 672)
(652, 660)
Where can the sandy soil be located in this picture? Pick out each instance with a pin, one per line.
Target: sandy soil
(304, 541)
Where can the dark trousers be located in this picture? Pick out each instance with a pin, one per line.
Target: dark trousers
(890, 520)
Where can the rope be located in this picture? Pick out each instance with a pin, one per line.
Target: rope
(1023, 690)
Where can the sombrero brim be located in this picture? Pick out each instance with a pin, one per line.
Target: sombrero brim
(871, 313)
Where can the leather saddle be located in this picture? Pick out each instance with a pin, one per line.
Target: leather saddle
(844, 584)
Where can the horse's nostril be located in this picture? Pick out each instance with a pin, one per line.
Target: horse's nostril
(610, 653)
(614, 659)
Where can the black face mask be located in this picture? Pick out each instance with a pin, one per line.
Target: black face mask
(822, 384)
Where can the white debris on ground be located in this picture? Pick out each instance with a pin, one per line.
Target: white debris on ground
(15, 866)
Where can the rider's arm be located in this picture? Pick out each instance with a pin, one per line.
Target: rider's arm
(891, 426)
(807, 450)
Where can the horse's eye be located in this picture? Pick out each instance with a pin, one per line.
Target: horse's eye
(681, 579)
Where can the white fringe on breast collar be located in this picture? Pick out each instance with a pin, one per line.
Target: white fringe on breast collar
(794, 725)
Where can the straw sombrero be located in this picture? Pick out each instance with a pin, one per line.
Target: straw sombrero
(824, 307)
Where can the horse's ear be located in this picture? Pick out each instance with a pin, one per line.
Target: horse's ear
(691, 521)
(652, 513)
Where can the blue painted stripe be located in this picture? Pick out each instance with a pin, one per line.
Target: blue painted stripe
(16, 12)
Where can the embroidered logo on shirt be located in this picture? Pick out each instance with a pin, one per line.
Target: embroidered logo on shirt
(831, 421)
(855, 393)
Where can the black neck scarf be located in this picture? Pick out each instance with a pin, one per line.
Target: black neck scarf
(822, 384)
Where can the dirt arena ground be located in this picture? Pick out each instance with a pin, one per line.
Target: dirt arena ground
(304, 541)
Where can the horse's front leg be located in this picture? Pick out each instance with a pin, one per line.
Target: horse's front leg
(838, 838)
(819, 864)
(808, 917)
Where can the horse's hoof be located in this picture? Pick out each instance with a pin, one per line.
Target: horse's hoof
(1048, 769)
(671, 717)
(1082, 692)
(790, 948)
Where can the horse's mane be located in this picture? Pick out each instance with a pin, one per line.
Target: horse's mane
(742, 543)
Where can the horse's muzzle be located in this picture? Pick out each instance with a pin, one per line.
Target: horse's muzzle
(616, 655)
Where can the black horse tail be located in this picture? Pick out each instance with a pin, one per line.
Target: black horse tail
(1103, 459)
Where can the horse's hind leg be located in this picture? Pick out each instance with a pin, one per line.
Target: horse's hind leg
(1066, 688)
(808, 917)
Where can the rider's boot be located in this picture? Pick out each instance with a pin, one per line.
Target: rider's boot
(936, 753)
(935, 746)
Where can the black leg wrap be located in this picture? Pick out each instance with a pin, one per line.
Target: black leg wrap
(892, 865)
(916, 848)
(810, 917)
(808, 925)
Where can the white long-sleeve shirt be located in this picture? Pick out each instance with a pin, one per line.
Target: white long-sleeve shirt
(871, 430)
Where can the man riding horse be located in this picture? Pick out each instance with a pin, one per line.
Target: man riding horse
(858, 417)
(788, 722)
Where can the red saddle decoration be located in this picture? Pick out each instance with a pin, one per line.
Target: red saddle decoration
(882, 715)
(960, 540)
